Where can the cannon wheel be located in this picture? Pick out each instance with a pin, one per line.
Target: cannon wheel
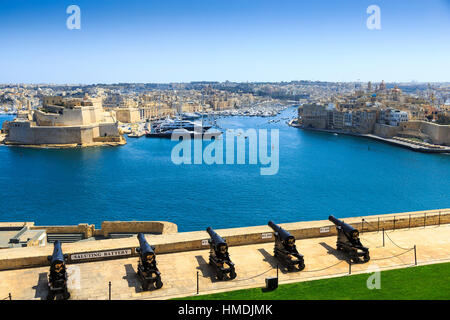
(158, 283)
(232, 274)
(66, 295)
(366, 257)
(301, 267)
(291, 268)
(145, 285)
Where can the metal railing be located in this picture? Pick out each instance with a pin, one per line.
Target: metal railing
(237, 284)
(429, 218)
(373, 226)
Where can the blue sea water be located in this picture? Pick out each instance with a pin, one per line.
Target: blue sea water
(319, 174)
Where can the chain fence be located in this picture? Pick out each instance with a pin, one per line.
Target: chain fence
(228, 285)
(9, 297)
(374, 225)
(406, 221)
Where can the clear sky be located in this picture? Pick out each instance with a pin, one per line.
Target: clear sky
(218, 40)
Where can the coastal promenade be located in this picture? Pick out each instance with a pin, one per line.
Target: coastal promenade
(254, 263)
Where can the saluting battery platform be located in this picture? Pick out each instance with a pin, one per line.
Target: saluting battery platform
(219, 257)
(147, 270)
(57, 279)
(285, 249)
(348, 241)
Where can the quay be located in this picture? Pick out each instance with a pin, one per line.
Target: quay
(410, 239)
(396, 141)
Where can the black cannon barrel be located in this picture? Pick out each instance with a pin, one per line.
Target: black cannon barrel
(215, 237)
(346, 227)
(143, 244)
(284, 235)
(57, 255)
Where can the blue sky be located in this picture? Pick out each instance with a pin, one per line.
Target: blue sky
(235, 40)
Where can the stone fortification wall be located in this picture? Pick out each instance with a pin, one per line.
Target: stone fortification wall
(439, 134)
(197, 240)
(386, 131)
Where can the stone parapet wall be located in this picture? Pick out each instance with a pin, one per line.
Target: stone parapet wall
(88, 230)
(158, 227)
(84, 228)
(187, 241)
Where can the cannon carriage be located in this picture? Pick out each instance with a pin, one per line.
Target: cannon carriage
(285, 249)
(147, 272)
(348, 241)
(57, 278)
(219, 257)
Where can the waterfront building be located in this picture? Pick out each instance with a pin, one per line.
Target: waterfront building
(397, 116)
(313, 116)
(338, 120)
(348, 119)
(128, 115)
(64, 121)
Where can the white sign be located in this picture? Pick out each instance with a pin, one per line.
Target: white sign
(324, 229)
(100, 254)
(266, 235)
(205, 242)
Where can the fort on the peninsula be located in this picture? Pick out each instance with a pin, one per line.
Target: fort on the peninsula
(64, 122)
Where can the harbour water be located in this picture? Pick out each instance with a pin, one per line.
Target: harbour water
(319, 174)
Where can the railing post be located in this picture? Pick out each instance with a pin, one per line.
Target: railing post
(424, 219)
(197, 284)
(383, 237)
(439, 223)
(362, 226)
(109, 285)
(9, 296)
(415, 255)
(378, 228)
(394, 222)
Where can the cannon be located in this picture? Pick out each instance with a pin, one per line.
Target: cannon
(348, 241)
(285, 249)
(219, 257)
(57, 278)
(147, 270)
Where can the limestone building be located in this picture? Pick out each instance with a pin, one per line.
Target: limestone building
(66, 122)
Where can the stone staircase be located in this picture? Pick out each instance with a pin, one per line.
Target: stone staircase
(64, 237)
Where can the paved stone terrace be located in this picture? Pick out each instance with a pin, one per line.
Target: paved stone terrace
(253, 264)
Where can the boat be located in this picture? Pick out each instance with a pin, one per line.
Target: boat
(183, 132)
(190, 116)
(168, 126)
(136, 134)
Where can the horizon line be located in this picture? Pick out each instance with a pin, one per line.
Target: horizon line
(215, 81)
